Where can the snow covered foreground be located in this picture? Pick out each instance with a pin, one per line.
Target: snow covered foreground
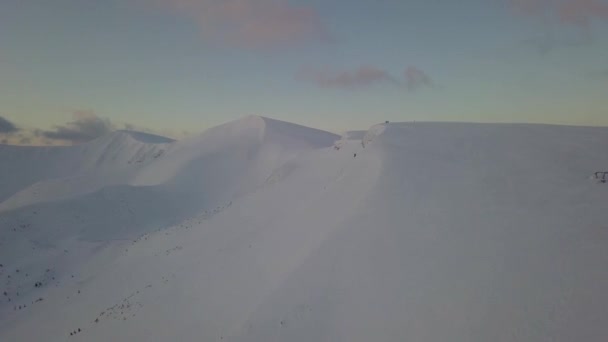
(260, 230)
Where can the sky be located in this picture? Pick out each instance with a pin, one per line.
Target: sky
(71, 70)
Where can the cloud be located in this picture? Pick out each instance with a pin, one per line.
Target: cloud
(7, 127)
(253, 23)
(86, 126)
(364, 76)
(566, 13)
(581, 12)
(415, 79)
(573, 12)
(531, 7)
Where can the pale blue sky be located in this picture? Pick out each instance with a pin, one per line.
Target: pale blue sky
(154, 64)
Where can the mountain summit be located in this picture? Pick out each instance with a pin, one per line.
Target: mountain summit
(260, 230)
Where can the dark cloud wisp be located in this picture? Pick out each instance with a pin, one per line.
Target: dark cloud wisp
(364, 76)
(416, 79)
(86, 126)
(7, 126)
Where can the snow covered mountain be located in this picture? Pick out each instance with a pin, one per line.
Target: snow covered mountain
(260, 230)
(121, 153)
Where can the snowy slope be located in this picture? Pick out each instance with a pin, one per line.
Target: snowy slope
(52, 226)
(233, 158)
(27, 171)
(433, 232)
(214, 167)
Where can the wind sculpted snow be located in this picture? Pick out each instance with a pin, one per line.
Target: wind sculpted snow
(260, 230)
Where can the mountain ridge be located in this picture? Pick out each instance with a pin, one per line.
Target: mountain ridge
(422, 231)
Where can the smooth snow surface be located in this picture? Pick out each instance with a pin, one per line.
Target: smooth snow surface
(260, 230)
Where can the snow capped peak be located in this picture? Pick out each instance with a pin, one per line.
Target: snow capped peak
(242, 151)
(255, 129)
(249, 127)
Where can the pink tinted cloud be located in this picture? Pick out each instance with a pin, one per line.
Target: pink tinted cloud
(416, 78)
(580, 12)
(532, 7)
(364, 76)
(253, 23)
(573, 12)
